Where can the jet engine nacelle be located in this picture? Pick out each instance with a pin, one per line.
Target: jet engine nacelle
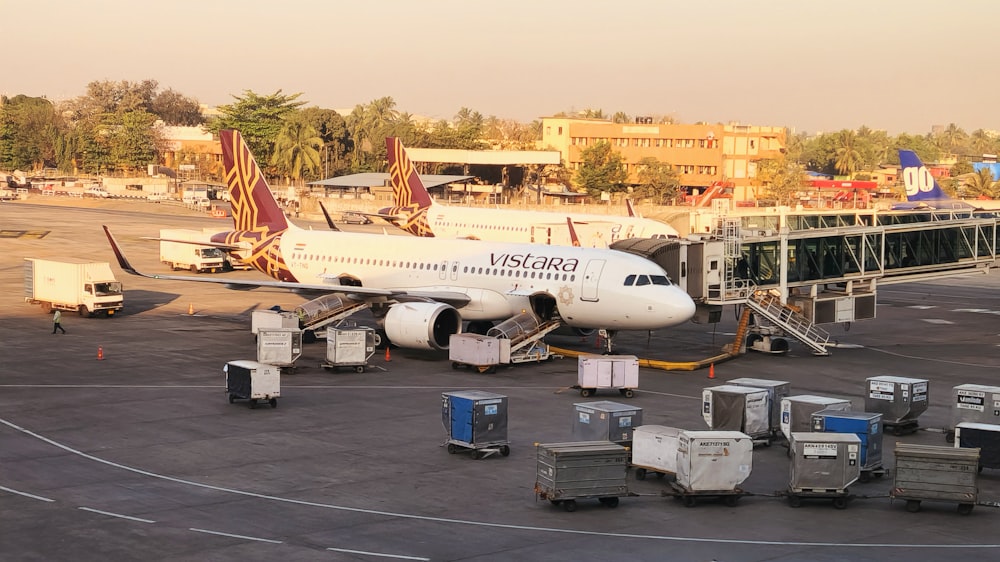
(422, 325)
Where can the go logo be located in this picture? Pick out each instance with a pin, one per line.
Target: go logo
(918, 180)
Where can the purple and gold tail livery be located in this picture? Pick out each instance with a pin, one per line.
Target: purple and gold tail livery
(410, 197)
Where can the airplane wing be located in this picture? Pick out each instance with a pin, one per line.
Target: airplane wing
(453, 298)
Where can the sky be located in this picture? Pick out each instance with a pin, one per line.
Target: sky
(813, 66)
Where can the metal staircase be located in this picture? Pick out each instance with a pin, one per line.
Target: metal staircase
(789, 320)
(523, 330)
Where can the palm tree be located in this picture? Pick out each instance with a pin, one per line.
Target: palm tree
(296, 150)
(982, 142)
(848, 157)
(953, 136)
(980, 183)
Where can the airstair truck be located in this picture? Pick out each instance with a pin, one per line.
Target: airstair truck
(89, 288)
(179, 250)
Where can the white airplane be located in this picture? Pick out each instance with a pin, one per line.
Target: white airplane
(416, 213)
(420, 289)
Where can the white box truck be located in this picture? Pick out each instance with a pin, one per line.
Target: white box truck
(178, 252)
(89, 288)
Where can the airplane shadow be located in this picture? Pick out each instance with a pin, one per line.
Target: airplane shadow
(138, 301)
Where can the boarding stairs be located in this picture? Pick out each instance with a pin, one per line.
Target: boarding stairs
(789, 319)
(324, 317)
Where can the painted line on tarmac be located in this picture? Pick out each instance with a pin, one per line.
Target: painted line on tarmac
(234, 536)
(119, 515)
(507, 526)
(379, 554)
(25, 494)
(935, 359)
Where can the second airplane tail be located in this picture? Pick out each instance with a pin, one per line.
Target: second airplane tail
(254, 206)
(920, 184)
(410, 198)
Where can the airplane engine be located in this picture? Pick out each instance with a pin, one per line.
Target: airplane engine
(422, 325)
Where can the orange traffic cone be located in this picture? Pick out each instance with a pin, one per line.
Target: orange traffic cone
(711, 371)
(387, 358)
(190, 309)
(100, 353)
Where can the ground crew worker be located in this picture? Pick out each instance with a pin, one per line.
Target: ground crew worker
(56, 319)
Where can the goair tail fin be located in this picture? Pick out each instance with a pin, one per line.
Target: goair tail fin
(920, 184)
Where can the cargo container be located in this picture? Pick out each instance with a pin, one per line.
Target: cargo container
(350, 347)
(823, 466)
(88, 288)
(654, 450)
(797, 411)
(976, 403)
(776, 390)
(712, 463)
(272, 319)
(566, 472)
(730, 407)
(476, 422)
(253, 381)
(481, 352)
(866, 425)
(985, 437)
(926, 472)
(179, 250)
(900, 400)
(605, 421)
(607, 372)
(279, 346)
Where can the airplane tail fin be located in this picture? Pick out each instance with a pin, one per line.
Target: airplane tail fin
(254, 206)
(410, 197)
(920, 184)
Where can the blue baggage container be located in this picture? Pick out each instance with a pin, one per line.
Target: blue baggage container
(475, 419)
(866, 425)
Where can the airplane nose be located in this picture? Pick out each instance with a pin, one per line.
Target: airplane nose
(681, 307)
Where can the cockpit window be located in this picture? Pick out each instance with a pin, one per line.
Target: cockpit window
(642, 280)
(630, 280)
(660, 279)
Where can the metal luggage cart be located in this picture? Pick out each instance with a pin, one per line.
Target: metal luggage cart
(927, 472)
(567, 472)
(690, 497)
(350, 347)
(476, 422)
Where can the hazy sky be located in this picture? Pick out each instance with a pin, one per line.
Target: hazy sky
(816, 66)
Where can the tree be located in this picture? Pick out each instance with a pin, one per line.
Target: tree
(657, 181)
(133, 141)
(982, 142)
(259, 119)
(848, 156)
(29, 133)
(332, 129)
(601, 170)
(176, 109)
(620, 117)
(780, 179)
(296, 149)
(980, 184)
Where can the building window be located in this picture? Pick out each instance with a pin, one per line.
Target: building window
(560, 130)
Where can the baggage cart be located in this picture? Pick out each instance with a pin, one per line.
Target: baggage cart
(279, 346)
(932, 473)
(654, 451)
(867, 426)
(253, 381)
(730, 407)
(712, 464)
(823, 466)
(605, 421)
(476, 422)
(350, 347)
(567, 472)
(900, 400)
(973, 403)
(776, 391)
(610, 372)
(797, 411)
(985, 437)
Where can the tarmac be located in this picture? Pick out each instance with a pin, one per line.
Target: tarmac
(138, 455)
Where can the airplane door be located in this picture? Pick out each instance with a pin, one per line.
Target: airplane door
(541, 235)
(591, 277)
(444, 270)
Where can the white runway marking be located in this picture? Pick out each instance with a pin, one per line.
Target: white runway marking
(234, 536)
(507, 526)
(119, 515)
(379, 554)
(25, 494)
(936, 321)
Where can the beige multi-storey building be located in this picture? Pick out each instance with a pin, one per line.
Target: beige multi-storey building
(701, 154)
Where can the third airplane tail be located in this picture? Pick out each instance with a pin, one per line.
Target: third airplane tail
(922, 190)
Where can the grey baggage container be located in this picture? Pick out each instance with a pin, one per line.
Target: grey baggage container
(566, 472)
(927, 472)
(605, 421)
(985, 437)
(279, 346)
(900, 400)
(730, 407)
(350, 347)
(823, 465)
(976, 403)
(797, 411)
(776, 390)
(654, 449)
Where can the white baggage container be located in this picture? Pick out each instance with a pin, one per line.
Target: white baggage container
(975, 403)
(279, 346)
(797, 411)
(483, 353)
(737, 408)
(713, 461)
(272, 319)
(611, 372)
(776, 390)
(253, 381)
(350, 347)
(654, 449)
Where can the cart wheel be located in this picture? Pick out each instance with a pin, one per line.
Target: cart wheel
(965, 508)
(360, 368)
(569, 505)
(794, 501)
(629, 393)
(980, 468)
(840, 503)
(913, 506)
(232, 398)
(640, 474)
(585, 392)
(866, 476)
(689, 501)
(452, 448)
(253, 403)
(554, 502)
(273, 402)
(610, 502)
(476, 455)
(504, 450)
(949, 437)
(455, 365)
(731, 500)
